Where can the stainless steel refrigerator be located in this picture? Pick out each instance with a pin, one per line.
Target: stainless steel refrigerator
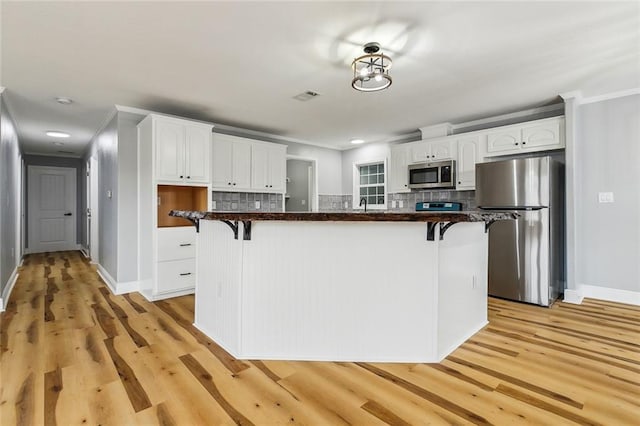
(527, 255)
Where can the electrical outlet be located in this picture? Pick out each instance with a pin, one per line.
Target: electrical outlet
(214, 205)
(393, 204)
(346, 204)
(605, 197)
(257, 205)
(303, 202)
(109, 193)
(400, 204)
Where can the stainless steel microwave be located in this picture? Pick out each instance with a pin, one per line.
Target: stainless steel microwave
(438, 174)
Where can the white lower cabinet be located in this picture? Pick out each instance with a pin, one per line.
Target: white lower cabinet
(176, 267)
(176, 275)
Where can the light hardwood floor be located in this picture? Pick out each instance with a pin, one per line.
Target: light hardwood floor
(73, 353)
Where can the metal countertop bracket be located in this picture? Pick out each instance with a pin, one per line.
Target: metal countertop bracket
(234, 227)
(246, 230)
(487, 224)
(196, 223)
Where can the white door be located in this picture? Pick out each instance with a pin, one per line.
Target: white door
(222, 162)
(170, 151)
(52, 209)
(241, 165)
(93, 207)
(260, 167)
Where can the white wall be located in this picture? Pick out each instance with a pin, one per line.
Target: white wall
(365, 153)
(10, 191)
(298, 186)
(115, 146)
(608, 160)
(329, 166)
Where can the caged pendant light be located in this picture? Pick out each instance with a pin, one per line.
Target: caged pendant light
(371, 70)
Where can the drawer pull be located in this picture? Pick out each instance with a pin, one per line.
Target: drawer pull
(185, 273)
(185, 245)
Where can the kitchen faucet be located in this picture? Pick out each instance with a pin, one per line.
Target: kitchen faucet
(364, 200)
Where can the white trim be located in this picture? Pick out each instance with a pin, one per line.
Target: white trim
(610, 294)
(518, 114)
(442, 354)
(116, 287)
(160, 296)
(315, 202)
(608, 96)
(355, 201)
(573, 296)
(54, 154)
(571, 101)
(73, 247)
(6, 293)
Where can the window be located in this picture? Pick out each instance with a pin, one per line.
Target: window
(370, 184)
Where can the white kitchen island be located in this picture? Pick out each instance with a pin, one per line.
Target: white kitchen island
(378, 287)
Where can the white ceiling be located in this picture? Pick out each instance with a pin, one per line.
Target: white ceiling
(240, 63)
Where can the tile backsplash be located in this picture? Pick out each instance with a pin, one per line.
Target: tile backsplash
(246, 201)
(409, 200)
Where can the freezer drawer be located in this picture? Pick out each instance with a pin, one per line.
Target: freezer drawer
(519, 258)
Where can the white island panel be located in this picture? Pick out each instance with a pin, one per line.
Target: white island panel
(338, 291)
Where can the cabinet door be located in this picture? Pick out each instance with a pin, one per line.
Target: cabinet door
(170, 139)
(504, 141)
(241, 164)
(277, 168)
(222, 161)
(542, 135)
(197, 148)
(260, 167)
(468, 156)
(420, 152)
(399, 173)
(442, 150)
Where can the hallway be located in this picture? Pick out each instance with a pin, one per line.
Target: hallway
(73, 353)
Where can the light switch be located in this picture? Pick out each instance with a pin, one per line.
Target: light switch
(109, 193)
(303, 202)
(605, 197)
(400, 204)
(393, 204)
(257, 205)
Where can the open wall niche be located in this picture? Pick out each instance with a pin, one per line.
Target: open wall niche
(174, 197)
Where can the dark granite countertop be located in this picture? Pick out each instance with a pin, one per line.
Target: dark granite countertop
(372, 216)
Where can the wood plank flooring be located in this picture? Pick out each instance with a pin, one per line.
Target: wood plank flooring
(73, 353)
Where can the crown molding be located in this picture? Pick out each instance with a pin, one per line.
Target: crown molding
(509, 116)
(612, 95)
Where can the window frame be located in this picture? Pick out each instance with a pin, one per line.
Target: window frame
(356, 184)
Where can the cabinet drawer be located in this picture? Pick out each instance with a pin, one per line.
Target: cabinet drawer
(176, 243)
(176, 275)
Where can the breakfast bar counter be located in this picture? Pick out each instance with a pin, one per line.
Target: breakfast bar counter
(378, 286)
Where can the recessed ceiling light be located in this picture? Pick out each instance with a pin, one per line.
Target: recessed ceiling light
(57, 134)
(59, 143)
(64, 101)
(356, 141)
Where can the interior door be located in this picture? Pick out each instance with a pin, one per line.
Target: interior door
(52, 209)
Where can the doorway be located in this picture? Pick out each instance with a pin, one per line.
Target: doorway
(51, 196)
(302, 193)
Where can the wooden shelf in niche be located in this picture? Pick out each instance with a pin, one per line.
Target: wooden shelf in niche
(174, 197)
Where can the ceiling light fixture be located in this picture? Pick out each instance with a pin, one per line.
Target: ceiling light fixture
(371, 70)
(356, 141)
(64, 101)
(57, 134)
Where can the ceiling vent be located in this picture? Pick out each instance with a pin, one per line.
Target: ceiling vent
(305, 96)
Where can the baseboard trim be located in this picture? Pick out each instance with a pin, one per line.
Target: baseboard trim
(115, 286)
(572, 296)
(6, 293)
(610, 294)
(27, 250)
(155, 297)
(443, 354)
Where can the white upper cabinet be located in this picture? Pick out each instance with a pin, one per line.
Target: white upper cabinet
(183, 150)
(398, 172)
(268, 167)
(241, 164)
(231, 162)
(438, 149)
(469, 154)
(539, 135)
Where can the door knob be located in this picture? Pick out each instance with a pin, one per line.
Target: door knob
(68, 214)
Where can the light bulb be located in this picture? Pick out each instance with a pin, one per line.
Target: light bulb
(364, 71)
(378, 77)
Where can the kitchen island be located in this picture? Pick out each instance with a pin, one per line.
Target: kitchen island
(376, 287)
